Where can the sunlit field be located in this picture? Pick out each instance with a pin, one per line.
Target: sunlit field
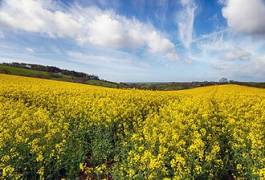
(52, 130)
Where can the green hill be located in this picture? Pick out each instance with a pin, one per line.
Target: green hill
(49, 72)
(55, 73)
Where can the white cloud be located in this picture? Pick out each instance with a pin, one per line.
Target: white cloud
(84, 25)
(159, 44)
(237, 54)
(248, 71)
(2, 35)
(226, 46)
(29, 50)
(37, 16)
(233, 55)
(245, 16)
(115, 63)
(222, 2)
(105, 30)
(185, 21)
(224, 49)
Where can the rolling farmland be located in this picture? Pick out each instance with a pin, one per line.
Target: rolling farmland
(51, 129)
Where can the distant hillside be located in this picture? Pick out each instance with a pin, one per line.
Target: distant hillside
(169, 86)
(55, 73)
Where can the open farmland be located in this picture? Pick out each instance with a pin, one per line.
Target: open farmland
(52, 130)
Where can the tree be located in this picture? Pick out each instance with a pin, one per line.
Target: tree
(223, 80)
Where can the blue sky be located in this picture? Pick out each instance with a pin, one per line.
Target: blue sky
(138, 40)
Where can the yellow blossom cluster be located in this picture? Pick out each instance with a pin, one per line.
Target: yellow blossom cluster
(55, 130)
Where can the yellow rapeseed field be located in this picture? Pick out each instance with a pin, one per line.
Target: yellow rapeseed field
(54, 130)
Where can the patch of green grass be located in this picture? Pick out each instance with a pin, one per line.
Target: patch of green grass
(102, 83)
(48, 75)
(22, 71)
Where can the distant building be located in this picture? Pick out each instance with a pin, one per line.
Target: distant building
(28, 66)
